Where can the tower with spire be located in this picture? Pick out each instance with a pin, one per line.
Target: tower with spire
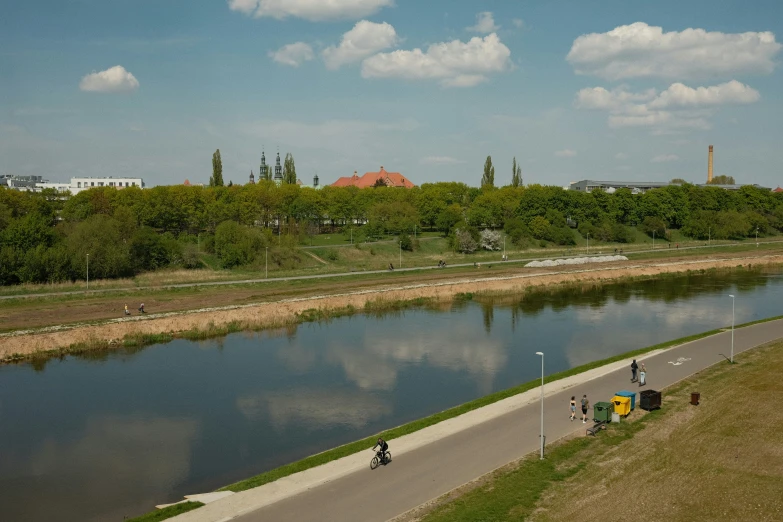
(263, 171)
(278, 170)
(252, 178)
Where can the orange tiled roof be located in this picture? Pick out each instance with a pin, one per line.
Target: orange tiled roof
(369, 179)
(187, 183)
(778, 190)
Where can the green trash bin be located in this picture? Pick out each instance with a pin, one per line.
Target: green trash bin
(602, 411)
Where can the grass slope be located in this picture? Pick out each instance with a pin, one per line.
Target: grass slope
(720, 461)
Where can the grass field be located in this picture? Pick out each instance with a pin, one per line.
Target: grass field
(722, 460)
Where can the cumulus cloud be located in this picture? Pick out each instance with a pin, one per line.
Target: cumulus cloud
(454, 64)
(485, 24)
(640, 50)
(440, 160)
(313, 10)
(565, 153)
(665, 158)
(679, 106)
(294, 54)
(364, 39)
(679, 95)
(114, 79)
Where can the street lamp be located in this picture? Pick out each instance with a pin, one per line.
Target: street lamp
(653, 239)
(588, 243)
(732, 329)
(542, 403)
(88, 271)
(757, 237)
(709, 235)
(504, 247)
(266, 264)
(400, 254)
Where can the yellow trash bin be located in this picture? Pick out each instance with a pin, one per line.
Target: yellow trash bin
(622, 405)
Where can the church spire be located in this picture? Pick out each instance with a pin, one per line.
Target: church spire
(263, 171)
(278, 169)
(252, 178)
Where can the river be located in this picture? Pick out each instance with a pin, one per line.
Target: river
(110, 434)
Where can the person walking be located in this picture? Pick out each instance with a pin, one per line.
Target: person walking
(585, 406)
(634, 368)
(126, 309)
(573, 407)
(643, 376)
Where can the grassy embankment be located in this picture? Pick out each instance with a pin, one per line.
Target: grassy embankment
(371, 256)
(718, 461)
(169, 512)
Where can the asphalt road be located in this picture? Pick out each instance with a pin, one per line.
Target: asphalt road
(418, 476)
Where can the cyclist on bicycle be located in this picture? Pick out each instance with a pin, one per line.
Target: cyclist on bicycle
(382, 452)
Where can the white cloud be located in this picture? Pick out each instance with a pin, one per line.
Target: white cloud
(620, 156)
(313, 10)
(114, 79)
(455, 64)
(639, 50)
(679, 95)
(364, 39)
(518, 23)
(565, 153)
(677, 107)
(440, 160)
(665, 158)
(294, 54)
(485, 24)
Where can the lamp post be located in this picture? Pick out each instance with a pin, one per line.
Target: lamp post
(504, 247)
(588, 243)
(400, 254)
(88, 271)
(653, 239)
(266, 263)
(732, 329)
(542, 403)
(757, 237)
(352, 235)
(709, 235)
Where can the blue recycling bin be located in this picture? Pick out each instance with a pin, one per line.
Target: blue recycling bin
(630, 395)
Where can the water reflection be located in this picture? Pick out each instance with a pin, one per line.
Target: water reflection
(112, 433)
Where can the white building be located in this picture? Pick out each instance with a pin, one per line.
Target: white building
(78, 184)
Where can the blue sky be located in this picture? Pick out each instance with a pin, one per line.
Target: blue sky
(574, 89)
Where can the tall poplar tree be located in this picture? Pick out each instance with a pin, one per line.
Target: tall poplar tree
(289, 170)
(216, 180)
(489, 173)
(516, 173)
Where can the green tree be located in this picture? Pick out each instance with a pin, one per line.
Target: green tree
(679, 180)
(539, 227)
(216, 180)
(722, 180)
(516, 173)
(289, 170)
(488, 179)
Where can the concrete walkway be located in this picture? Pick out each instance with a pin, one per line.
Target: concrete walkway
(477, 442)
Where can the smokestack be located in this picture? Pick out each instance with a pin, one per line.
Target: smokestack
(709, 166)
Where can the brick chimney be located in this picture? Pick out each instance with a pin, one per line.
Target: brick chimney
(709, 166)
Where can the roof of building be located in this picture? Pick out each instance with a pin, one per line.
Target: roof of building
(187, 182)
(369, 179)
(778, 190)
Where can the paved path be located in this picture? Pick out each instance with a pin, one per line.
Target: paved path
(424, 472)
(349, 273)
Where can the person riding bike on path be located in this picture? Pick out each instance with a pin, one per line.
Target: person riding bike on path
(383, 447)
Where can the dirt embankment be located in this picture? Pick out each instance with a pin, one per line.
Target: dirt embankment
(281, 312)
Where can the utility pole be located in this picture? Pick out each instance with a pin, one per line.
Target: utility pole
(266, 264)
(588, 243)
(88, 271)
(400, 254)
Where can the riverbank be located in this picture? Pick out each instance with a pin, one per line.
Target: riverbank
(216, 321)
(717, 461)
(468, 435)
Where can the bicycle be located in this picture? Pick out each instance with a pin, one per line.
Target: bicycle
(379, 459)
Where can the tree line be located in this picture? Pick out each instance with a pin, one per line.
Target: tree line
(45, 237)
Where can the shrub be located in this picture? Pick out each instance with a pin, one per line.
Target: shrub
(464, 242)
(406, 243)
(490, 240)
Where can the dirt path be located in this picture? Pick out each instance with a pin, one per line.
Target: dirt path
(282, 311)
(315, 257)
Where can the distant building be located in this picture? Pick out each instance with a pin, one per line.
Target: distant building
(778, 190)
(21, 182)
(639, 187)
(371, 179)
